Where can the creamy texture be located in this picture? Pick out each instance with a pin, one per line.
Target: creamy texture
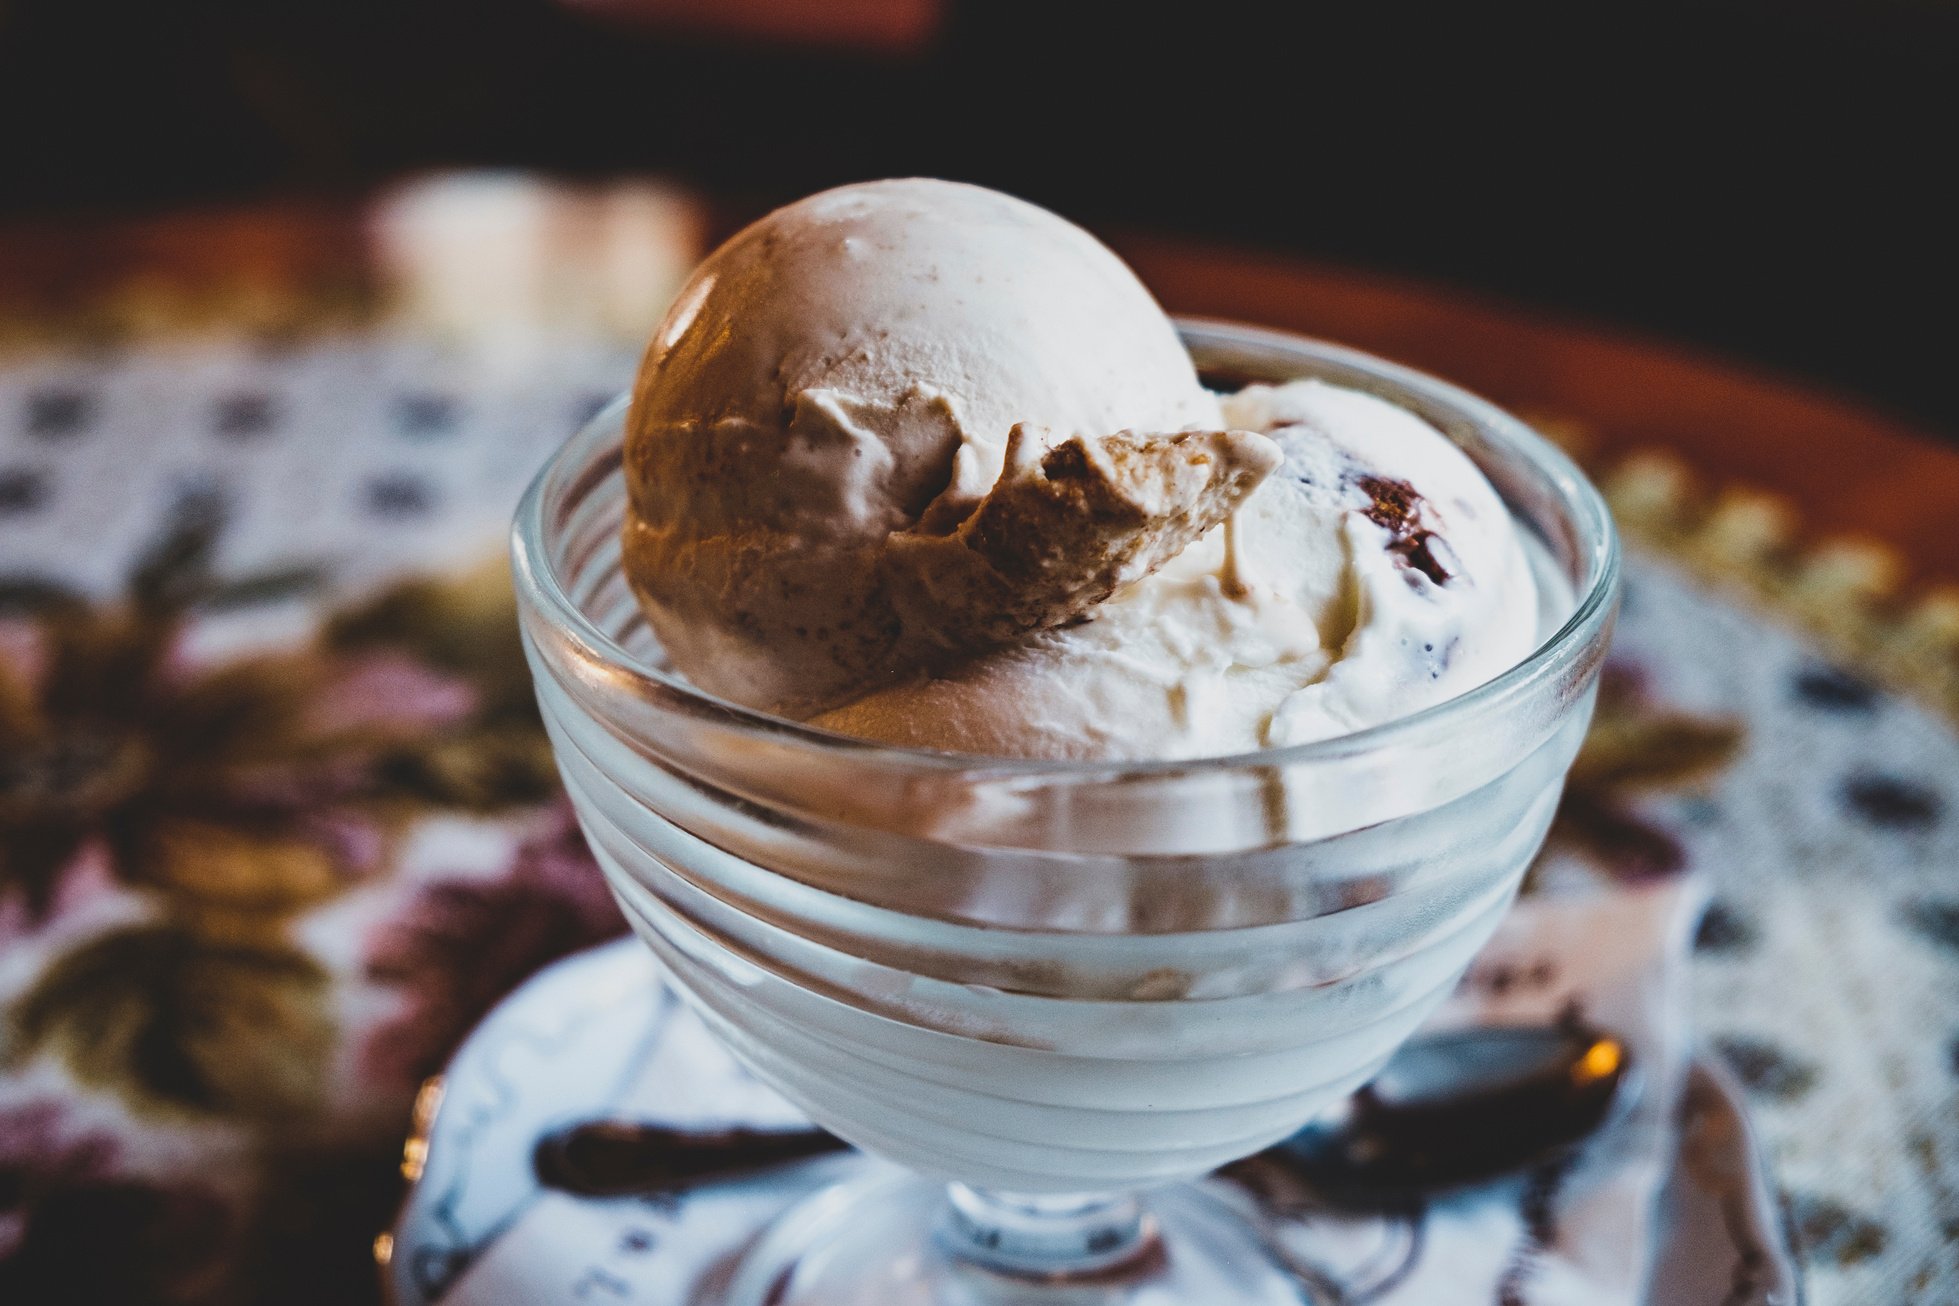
(848, 370)
(922, 463)
(1376, 573)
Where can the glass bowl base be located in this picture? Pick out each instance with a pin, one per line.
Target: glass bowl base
(886, 1238)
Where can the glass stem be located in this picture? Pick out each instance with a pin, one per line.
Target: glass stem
(1048, 1236)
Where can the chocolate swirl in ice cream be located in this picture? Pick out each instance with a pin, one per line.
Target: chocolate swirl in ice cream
(1398, 509)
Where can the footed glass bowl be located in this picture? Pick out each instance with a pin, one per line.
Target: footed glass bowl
(1054, 993)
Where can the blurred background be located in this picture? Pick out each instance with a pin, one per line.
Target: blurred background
(1765, 180)
(296, 296)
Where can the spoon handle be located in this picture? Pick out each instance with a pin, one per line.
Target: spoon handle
(611, 1158)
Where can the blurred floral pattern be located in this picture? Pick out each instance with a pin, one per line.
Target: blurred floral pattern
(463, 943)
(1638, 747)
(171, 827)
(64, 1201)
(175, 828)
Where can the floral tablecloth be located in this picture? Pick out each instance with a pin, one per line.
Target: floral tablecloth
(278, 823)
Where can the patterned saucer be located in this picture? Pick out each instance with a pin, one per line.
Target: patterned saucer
(599, 1034)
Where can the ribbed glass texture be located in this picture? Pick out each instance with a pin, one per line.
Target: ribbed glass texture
(1062, 977)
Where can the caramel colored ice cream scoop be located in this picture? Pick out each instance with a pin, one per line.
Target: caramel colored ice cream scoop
(818, 433)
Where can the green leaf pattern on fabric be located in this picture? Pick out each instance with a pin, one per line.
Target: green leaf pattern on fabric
(173, 1021)
(225, 801)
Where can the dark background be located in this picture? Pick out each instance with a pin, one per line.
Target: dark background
(1767, 179)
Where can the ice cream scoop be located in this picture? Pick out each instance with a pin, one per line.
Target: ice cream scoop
(1374, 573)
(831, 399)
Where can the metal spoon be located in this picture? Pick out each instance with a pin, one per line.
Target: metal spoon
(1448, 1110)
(1452, 1110)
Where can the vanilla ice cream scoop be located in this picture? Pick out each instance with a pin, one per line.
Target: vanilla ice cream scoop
(1375, 573)
(820, 420)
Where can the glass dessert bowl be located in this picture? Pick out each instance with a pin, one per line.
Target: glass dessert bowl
(1056, 992)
